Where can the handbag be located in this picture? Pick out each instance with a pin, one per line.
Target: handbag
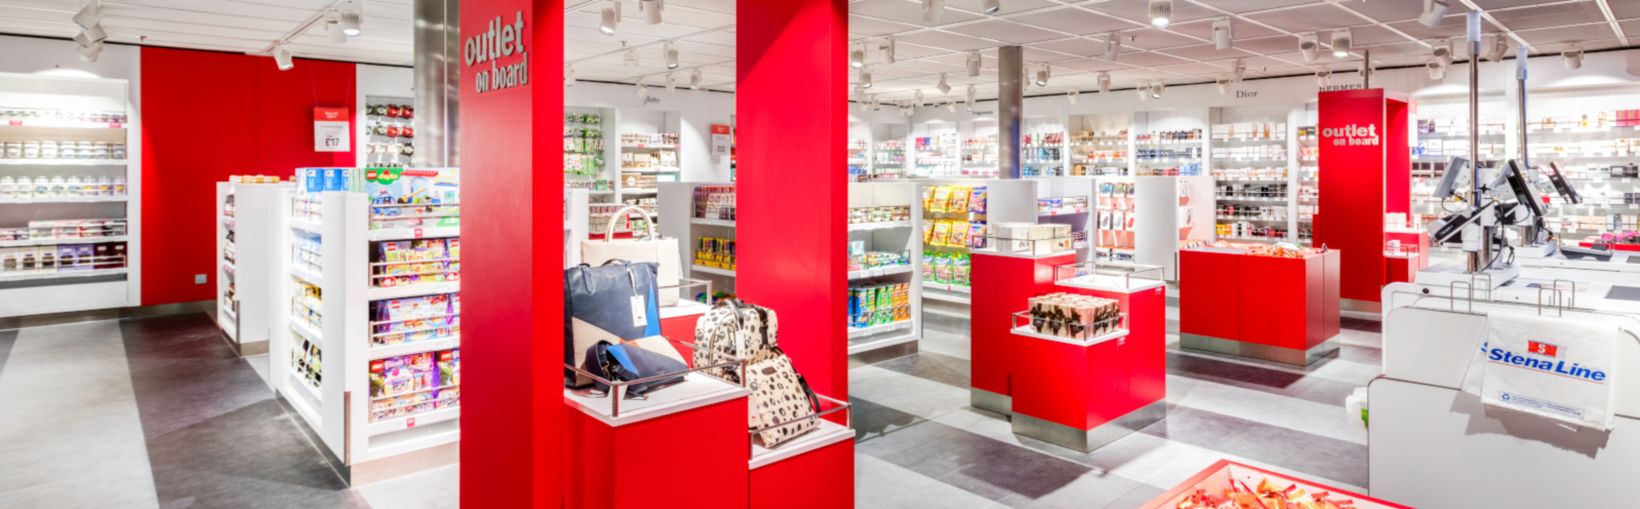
(779, 395)
(734, 329)
(652, 248)
(610, 302)
(625, 363)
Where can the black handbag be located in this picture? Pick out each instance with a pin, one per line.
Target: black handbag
(611, 302)
(624, 363)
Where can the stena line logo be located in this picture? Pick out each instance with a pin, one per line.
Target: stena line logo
(501, 40)
(1544, 356)
(1352, 135)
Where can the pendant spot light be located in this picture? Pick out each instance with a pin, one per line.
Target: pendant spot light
(865, 78)
(888, 49)
(931, 10)
(350, 14)
(695, 79)
(975, 62)
(609, 19)
(1224, 86)
(1310, 46)
(857, 57)
(1113, 46)
(1104, 82)
(1437, 70)
(1572, 58)
(1342, 43)
(1042, 76)
(333, 28)
(991, 7)
(651, 10)
(1144, 91)
(943, 86)
(1161, 13)
(671, 55)
(1434, 10)
(1322, 77)
(1156, 90)
(1073, 96)
(1238, 71)
(282, 57)
(91, 36)
(1223, 34)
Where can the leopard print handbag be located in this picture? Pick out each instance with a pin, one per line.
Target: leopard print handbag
(735, 329)
(780, 395)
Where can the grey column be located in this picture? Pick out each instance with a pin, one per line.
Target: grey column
(437, 81)
(1010, 108)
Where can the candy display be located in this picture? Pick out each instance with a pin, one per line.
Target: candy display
(48, 116)
(878, 304)
(868, 215)
(307, 360)
(413, 319)
(859, 259)
(715, 252)
(1230, 485)
(414, 384)
(938, 155)
(65, 229)
(62, 150)
(408, 262)
(1072, 315)
(60, 186)
(62, 258)
(947, 268)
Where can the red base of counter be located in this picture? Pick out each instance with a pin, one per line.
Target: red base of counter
(698, 426)
(819, 478)
(1002, 285)
(1272, 308)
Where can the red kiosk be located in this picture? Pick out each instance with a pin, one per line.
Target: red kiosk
(1366, 174)
(1264, 307)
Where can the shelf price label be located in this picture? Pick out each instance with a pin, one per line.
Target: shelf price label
(417, 233)
(409, 423)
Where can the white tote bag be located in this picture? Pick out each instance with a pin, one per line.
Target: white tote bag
(653, 248)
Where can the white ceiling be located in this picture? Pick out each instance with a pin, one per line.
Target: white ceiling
(248, 26)
(1068, 35)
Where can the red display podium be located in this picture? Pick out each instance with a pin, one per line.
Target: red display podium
(1403, 267)
(1002, 285)
(1366, 173)
(1087, 391)
(1229, 476)
(813, 471)
(679, 322)
(698, 426)
(1265, 307)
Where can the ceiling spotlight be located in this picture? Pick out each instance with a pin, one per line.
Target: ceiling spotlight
(610, 18)
(89, 53)
(89, 15)
(671, 83)
(945, 88)
(671, 55)
(1310, 46)
(1365, 70)
(931, 10)
(972, 94)
(1113, 46)
(569, 76)
(651, 10)
(1442, 53)
(282, 58)
(1500, 47)
(917, 98)
(991, 6)
(1223, 33)
(1144, 91)
(1104, 82)
(857, 57)
(951, 105)
(1341, 42)
(1074, 96)
(1224, 86)
(865, 78)
(630, 58)
(1437, 70)
(1156, 90)
(1434, 10)
(888, 49)
(975, 61)
(1161, 11)
(695, 78)
(333, 28)
(1322, 76)
(1573, 57)
(1042, 76)
(643, 90)
(90, 36)
(1239, 71)
(351, 16)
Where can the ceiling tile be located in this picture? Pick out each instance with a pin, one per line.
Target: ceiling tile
(1567, 34)
(1151, 38)
(1204, 71)
(1008, 7)
(1625, 10)
(1304, 19)
(1505, 4)
(1631, 28)
(1397, 48)
(903, 12)
(1090, 65)
(1550, 15)
(945, 41)
(1006, 32)
(1150, 59)
(1204, 52)
(1270, 44)
(1075, 21)
(1402, 10)
(1450, 28)
(1239, 29)
(1139, 10)
(1374, 34)
(1083, 47)
(1242, 6)
(718, 6)
(864, 26)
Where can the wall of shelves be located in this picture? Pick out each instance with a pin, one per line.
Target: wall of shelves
(249, 233)
(885, 269)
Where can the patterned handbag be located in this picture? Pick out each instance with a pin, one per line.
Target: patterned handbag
(780, 395)
(736, 329)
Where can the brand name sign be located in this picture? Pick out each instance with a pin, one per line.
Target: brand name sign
(502, 47)
(1352, 135)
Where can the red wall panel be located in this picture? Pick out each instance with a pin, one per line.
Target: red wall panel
(792, 113)
(206, 116)
(1353, 189)
(511, 149)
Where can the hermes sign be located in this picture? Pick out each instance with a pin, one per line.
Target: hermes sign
(502, 47)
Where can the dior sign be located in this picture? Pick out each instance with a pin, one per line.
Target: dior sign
(502, 41)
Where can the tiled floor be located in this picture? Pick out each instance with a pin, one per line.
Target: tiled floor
(157, 412)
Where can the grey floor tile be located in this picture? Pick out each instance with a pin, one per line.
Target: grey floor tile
(7, 338)
(1313, 455)
(945, 369)
(916, 396)
(880, 484)
(439, 488)
(872, 420)
(1246, 376)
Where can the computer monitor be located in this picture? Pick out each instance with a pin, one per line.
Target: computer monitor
(1563, 186)
(1449, 180)
(1523, 188)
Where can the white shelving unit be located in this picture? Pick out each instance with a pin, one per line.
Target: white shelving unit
(591, 152)
(247, 242)
(677, 207)
(1007, 201)
(91, 113)
(339, 408)
(1254, 173)
(1169, 213)
(893, 236)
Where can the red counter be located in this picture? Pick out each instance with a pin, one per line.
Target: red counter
(815, 471)
(1265, 307)
(1084, 393)
(1592, 240)
(1002, 285)
(697, 428)
(678, 322)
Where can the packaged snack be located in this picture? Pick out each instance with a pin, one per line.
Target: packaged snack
(959, 199)
(977, 200)
(960, 271)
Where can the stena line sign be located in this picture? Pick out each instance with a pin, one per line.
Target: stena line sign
(497, 56)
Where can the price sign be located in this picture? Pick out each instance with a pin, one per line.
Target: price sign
(331, 130)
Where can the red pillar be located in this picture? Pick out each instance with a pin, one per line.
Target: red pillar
(512, 192)
(1364, 174)
(792, 128)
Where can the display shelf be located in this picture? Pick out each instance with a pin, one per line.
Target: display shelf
(413, 347)
(8, 277)
(705, 240)
(415, 290)
(883, 225)
(726, 223)
(386, 131)
(63, 199)
(884, 274)
(878, 272)
(414, 233)
(305, 225)
(64, 162)
(53, 241)
(408, 422)
(1100, 145)
(712, 270)
(861, 332)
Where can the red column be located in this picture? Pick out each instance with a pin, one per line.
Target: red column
(1351, 217)
(792, 128)
(513, 192)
